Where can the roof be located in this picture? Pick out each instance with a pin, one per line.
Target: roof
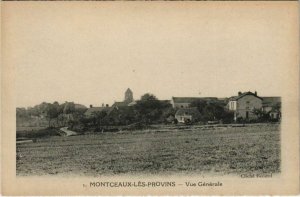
(270, 101)
(192, 99)
(79, 106)
(120, 104)
(116, 109)
(235, 98)
(128, 90)
(191, 111)
(274, 99)
(92, 110)
(166, 101)
(132, 103)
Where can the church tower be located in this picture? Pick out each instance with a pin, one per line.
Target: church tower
(128, 96)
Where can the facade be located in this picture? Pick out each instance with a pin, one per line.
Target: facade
(184, 115)
(244, 104)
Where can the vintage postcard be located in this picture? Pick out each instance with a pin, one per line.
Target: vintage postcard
(150, 98)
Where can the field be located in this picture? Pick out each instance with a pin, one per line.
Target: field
(163, 151)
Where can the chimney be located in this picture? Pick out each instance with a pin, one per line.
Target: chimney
(255, 93)
(102, 104)
(240, 93)
(91, 106)
(107, 105)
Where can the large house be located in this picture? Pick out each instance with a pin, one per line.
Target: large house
(244, 104)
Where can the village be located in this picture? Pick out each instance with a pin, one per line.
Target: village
(245, 107)
(229, 135)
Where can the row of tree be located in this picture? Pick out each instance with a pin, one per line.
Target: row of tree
(60, 113)
(148, 110)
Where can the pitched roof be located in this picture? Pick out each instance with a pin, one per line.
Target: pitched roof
(128, 90)
(79, 106)
(120, 104)
(92, 110)
(235, 98)
(192, 99)
(190, 111)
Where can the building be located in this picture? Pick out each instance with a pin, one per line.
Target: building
(128, 96)
(269, 103)
(128, 99)
(185, 115)
(185, 102)
(244, 104)
(272, 106)
(92, 111)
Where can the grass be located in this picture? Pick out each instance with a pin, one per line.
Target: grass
(221, 151)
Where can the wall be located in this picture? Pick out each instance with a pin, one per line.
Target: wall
(247, 104)
(180, 105)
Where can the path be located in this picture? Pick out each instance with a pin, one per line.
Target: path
(68, 132)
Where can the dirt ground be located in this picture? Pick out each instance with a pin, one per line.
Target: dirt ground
(222, 151)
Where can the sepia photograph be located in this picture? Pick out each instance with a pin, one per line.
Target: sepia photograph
(235, 135)
(180, 91)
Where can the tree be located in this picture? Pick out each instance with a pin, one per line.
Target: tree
(262, 116)
(149, 108)
(98, 118)
(21, 112)
(212, 111)
(168, 114)
(200, 104)
(51, 112)
(69, 108)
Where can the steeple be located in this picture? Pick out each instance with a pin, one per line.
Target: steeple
(128, 96)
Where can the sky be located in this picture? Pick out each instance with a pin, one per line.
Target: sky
(92, 54)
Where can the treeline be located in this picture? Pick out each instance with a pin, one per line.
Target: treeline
(213, 110)
(54, 113)
(147, 110)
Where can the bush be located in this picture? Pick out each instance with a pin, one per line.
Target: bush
(38, 133)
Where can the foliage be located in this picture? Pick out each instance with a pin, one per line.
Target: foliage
(262, 116)
(64, 114)
(212, 111)
(52, 111)
(151, 110)
(98, 117)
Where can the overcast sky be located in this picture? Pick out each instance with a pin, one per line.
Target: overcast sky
(92, 54)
